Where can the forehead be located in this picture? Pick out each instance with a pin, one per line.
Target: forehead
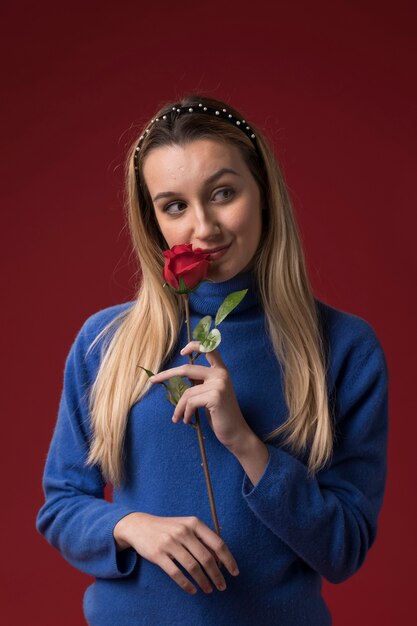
(195, 160)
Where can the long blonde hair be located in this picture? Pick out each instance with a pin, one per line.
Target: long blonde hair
(147, 332)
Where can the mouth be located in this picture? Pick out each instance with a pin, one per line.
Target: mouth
(214, 250)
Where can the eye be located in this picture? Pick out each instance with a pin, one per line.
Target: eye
(226, 189)
(168, 206)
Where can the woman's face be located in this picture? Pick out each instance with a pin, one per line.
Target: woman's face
(196, 201)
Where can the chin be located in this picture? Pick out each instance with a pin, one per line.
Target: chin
(219, 275)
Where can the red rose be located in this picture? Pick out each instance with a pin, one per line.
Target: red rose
(184, 267)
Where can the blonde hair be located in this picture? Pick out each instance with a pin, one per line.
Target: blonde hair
(146, 333)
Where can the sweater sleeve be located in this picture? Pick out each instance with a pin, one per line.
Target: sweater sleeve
(75, 518)
(330, 521)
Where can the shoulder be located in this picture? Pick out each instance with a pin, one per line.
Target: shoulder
(353, 346)
(89, 339)
(98, 320)
(346, 329)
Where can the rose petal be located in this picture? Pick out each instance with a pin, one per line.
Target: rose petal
(184, 262)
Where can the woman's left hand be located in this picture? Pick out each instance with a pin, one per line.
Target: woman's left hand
(215, 393)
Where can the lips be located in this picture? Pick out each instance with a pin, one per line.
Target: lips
(213, 250)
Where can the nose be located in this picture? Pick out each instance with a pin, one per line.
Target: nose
(206, 224)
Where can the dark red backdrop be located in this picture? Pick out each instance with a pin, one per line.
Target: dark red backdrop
(330, 82)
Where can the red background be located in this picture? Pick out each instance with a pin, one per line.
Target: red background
(331, 85)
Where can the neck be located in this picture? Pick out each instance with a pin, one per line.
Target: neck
(208, 296)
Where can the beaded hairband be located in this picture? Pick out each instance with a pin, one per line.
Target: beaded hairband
(222, 113)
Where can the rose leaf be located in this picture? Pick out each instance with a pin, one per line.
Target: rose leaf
(211, 341)
(177, 385)
(202, 329)
(229, 303)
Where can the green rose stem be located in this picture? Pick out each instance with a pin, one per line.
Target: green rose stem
(200, 435)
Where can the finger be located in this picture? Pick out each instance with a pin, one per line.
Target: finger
(207, 559)
(193, 372)
(214, 358)
(208, 416)
(216, 543)
(193, 567)
(192, 346)
(193, 400)
(176, 574)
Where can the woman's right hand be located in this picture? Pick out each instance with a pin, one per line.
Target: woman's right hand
(188, 540)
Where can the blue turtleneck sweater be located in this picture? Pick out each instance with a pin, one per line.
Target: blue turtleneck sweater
(285, 532)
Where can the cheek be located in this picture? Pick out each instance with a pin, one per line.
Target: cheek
(249, 225)
(171, 232)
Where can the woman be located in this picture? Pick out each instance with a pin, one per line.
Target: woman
(295, 401)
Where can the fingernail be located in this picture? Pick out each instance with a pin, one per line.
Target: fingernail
(235, 571)
(182, 351)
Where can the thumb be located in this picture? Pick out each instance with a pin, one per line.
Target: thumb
(214, 358)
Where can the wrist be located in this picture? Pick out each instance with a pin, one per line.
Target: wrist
(121, 531)
(253, 455)
(245, 445)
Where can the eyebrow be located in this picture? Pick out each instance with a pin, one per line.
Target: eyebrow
(210, 179)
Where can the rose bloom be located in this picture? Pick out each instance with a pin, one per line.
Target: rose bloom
(183, 262)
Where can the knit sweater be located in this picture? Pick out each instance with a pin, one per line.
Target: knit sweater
(285, 533)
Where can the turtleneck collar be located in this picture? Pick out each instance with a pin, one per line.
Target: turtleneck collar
(208, 296)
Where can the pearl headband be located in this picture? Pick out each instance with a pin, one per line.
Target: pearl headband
(221, 113)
